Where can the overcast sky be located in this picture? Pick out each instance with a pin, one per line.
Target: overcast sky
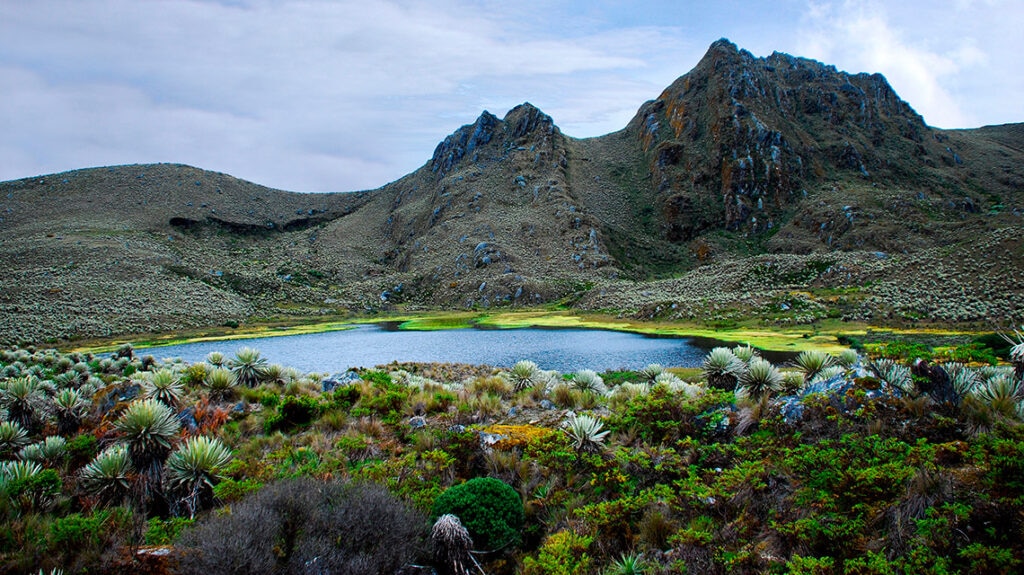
(345, 95)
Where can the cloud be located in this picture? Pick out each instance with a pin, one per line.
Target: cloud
(951, 63)
(276, 91)
(343, 95)
(860, 37)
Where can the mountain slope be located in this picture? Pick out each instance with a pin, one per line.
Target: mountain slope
(748, 180)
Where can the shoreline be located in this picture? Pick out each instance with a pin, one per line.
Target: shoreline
(790, 339)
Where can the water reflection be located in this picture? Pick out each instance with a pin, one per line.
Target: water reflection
(565, 350)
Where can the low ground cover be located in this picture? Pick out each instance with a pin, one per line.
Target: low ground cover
(852, 462)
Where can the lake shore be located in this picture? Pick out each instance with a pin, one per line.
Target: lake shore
(828, 336)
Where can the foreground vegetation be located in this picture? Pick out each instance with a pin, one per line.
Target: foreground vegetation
(853, 462)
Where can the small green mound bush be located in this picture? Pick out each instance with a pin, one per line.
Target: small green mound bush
(489, 508)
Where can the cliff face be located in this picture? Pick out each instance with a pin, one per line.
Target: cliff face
(739, 141)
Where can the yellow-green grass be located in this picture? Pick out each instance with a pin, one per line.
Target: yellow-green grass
(247, 332)
(821, 336)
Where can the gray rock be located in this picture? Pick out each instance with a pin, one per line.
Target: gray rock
(187, 417)
(340, 379)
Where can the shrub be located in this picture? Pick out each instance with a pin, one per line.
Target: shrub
(489, 508)
(563, 553)
(165, 531)
(81, 449)
(303, 526)
(293, 411)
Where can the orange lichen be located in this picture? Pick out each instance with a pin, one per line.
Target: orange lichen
(515, 436)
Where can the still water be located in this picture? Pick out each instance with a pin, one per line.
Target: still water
(565, 350)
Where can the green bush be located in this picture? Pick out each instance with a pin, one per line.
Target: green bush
(901, 350)
(78, 530)
(996, 343)
(345, 396)
(293, 411)
(489, 508)
(230, 490)
(81, 449)
(972, 353)
(165, 531)
(564, 553)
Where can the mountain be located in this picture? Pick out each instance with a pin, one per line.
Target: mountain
(778, 188)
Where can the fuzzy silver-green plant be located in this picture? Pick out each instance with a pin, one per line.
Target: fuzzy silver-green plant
(848, 358)
(676, 385)
(22, 397)
(744, 353)
(215, 358)
(67, 380)
(761, 378)
(221, 383)
(589, 380)
(828, 373)
(812, 361)
(11, 471)
(651, 371)
(193, 470)
(248, 366)
(987, 372)
(963, 379)
(723, 369)
(148, 427)
(12, 438)
(523, 374)
(895, 374)
(586, 432)
(32, 452)
(164, 386)
(63, 364)
(625, 392)
(1002, 394)
(69, 408)
(276, 373)
(1017, 357)
(792, 381)
(108, 475)
(49, 452)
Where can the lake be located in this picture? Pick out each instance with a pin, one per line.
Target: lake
(565, 350)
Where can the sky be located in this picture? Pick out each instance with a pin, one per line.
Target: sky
(339, 95)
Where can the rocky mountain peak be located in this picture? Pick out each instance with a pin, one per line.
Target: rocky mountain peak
(523, 121)
(735, 141)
